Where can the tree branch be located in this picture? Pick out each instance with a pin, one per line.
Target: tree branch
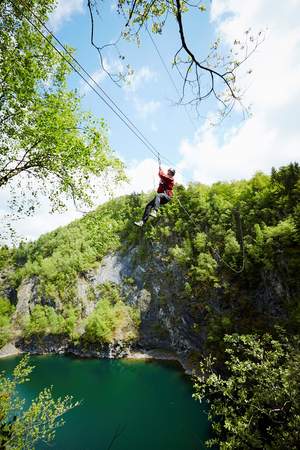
(19, 167)
(189, 52)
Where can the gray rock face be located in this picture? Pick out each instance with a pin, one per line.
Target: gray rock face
(60, 344)
(109, 270)
(83, 301)
(143, 285)
(114, 268)
(9, 350)
(26, 297)
(143, 301)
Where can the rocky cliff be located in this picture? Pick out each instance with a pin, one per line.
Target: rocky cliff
(171, 325)
(151, 287)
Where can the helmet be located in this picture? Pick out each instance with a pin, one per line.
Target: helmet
(172, 171)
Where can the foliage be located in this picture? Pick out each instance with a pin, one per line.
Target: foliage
(71, 319)
(182, 254)
(6, 255)
(207, 244)
(112, 320)
(205, 268)
(21, 428)
(48, 145)
(6, 311)
(256, 402)
(44, 320)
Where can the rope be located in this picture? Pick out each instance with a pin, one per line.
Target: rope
(114, 108)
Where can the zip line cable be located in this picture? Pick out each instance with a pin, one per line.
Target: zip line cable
(170, 78)
(119, 113)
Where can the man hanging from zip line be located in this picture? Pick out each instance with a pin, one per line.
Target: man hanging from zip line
(163, 196)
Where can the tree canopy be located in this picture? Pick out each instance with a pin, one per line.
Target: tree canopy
(48, 144)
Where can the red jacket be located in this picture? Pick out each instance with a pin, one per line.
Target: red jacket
(166, 183)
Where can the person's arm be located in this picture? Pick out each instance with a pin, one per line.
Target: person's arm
(163, 175)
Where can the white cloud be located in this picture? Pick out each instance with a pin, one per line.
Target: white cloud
(145, 108)
(99, 75)
(271, 136)
(64, 10)
(143, 177)
(138, 78)
(136, 81)
(113, 67)
(42, 221)
(30, 228)
(252, 147)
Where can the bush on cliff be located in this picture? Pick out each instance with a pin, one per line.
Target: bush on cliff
(6, 311)
(112, 319)
(45, 320)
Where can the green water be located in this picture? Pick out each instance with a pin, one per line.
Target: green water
(145, 405)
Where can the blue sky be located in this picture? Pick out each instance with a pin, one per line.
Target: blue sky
(236, 149)
(150, 101)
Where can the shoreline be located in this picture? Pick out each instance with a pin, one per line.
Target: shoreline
(162, 355)
(156, 354)
(10, 350)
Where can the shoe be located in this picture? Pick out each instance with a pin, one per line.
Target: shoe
(139, 224)
(153, 213)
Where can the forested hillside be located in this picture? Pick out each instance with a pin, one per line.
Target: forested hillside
(204, 247)
(225, 264)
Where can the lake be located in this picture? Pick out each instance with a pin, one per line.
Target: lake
(125, 404)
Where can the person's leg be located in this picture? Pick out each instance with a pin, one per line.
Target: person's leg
(161, 199)
(152, 207)
(148, 208)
